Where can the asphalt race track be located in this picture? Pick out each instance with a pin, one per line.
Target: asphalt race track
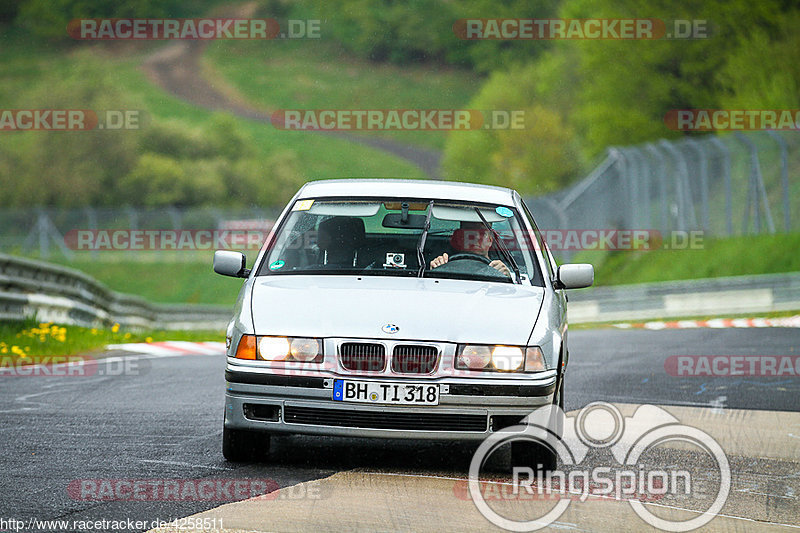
(162, 419)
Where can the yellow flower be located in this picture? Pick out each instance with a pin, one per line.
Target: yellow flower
(148, 340)
(3, 350)
(27, 348)
(127, 336)
(94, 331)
(115, 328)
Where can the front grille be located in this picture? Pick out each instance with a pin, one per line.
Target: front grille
(414, 359)
(362, 356)
(316, 416)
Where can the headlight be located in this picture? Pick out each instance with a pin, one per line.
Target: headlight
(300, 349)
(499, 358)
(474, 357)
(306, 350)
(273, 348)
(507, 358)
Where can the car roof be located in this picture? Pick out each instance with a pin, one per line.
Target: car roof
(407, 188)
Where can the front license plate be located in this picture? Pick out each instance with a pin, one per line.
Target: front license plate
(346, 390)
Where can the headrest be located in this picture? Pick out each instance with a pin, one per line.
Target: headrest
(343, 231)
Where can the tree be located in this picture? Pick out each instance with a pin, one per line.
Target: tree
(538, 158)
(626, 87)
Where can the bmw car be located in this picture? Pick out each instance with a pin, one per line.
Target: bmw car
(399, 309)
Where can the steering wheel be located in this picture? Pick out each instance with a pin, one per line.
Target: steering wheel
(474, 257)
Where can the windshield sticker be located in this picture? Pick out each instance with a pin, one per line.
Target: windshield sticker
(302, 205)
(277, 265)
(504, 211)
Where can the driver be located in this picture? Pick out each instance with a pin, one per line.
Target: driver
(472, 238)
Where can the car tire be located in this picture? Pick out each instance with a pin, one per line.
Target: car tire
(538, 457)
(240, 445)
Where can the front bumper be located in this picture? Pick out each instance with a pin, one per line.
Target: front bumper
(469, 408)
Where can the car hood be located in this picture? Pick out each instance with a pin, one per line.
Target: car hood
(422, 309)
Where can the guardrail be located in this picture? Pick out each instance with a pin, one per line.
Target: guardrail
(53, 293)
(677, 299)
(66, 296)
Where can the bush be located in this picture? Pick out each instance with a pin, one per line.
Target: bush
(156, 180)
(539, 158)
(49, 18)
(74, 168)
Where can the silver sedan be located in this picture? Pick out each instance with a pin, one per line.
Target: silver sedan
(398, 309)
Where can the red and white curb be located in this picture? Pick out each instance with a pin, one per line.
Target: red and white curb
(782, 322)
(171, 348)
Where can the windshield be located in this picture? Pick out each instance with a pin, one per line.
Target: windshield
(384, 237)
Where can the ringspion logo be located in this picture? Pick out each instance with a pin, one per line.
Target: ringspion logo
(599, 426)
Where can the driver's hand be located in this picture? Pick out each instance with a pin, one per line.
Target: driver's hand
(439, 261)
(500, 266)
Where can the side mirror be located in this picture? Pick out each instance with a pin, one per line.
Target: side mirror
(230, 263)
(575, 276)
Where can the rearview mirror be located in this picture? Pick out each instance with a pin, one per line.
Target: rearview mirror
(230, 263)
(395, 220)
(575, 276)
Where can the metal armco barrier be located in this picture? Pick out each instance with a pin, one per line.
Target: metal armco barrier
(677, 299)
(53, 293)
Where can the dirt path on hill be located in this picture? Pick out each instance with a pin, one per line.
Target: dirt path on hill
(177, 68)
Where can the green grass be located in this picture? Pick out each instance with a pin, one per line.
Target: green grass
(29, 68)
(317, 74)
(736, 256)
(29, 340)
(186, 281)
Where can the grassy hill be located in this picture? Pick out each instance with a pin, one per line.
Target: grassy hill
(31, 72)
(312, 74)
(736, 256)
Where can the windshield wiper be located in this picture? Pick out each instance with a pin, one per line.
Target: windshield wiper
(501, 246)
(422, 238)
